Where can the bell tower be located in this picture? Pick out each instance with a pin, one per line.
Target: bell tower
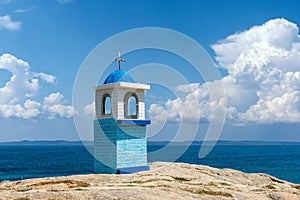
(120, 142)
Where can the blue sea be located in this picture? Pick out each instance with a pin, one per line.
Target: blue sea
(29, 161)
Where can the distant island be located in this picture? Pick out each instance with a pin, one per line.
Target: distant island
(46, 142)
(151, 143)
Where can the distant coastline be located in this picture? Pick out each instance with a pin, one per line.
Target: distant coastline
(152, 143)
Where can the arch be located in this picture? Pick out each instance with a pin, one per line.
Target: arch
(106, 104)
(131, 105)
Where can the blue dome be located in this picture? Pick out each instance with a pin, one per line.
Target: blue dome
(118, 76)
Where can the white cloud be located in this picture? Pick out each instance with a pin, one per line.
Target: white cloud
(54, 98)
(21, 84)
(16, 97)
(30, 109)
(157, 113)
(263, 81)
(60, 110)
(187, 87)
(282, 109)
(23, 10)
(265, 61)
(54, 105)
(89, 109)
(8, 24)
(64, 1)
(45, 77)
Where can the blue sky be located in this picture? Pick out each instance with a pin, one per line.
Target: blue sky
(54, 37)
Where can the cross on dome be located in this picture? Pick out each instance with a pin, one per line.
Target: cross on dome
(119, 60)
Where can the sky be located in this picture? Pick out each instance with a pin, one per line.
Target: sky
(254, 44)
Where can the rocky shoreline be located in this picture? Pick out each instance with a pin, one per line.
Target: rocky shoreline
(163, 181)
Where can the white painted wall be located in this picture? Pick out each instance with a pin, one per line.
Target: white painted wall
(117, 92)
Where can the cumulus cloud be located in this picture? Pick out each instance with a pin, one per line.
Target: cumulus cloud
(157, 113)
(21, 84)
(8, 24)
(16, 97)
(187, 87)
(263, 81)
(30, 109)
(89, 109)
(45, 77)
(54, 105)
(54, 98)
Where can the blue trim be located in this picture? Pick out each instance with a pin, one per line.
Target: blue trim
(134, 121)
(130, 170)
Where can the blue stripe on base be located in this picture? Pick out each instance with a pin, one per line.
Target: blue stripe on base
(134, 121)
(130, 170)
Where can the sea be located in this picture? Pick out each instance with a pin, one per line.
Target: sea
(19, 162)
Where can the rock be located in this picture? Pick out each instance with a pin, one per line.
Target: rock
(163, 181)
(276, 196)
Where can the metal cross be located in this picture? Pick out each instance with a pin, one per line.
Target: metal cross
(119, 60)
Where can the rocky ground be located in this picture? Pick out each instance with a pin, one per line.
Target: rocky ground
(163, 181)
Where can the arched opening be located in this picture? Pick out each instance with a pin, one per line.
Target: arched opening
(131, 105)
(106, 105)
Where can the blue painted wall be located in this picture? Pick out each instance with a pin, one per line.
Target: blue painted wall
(118, 145)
